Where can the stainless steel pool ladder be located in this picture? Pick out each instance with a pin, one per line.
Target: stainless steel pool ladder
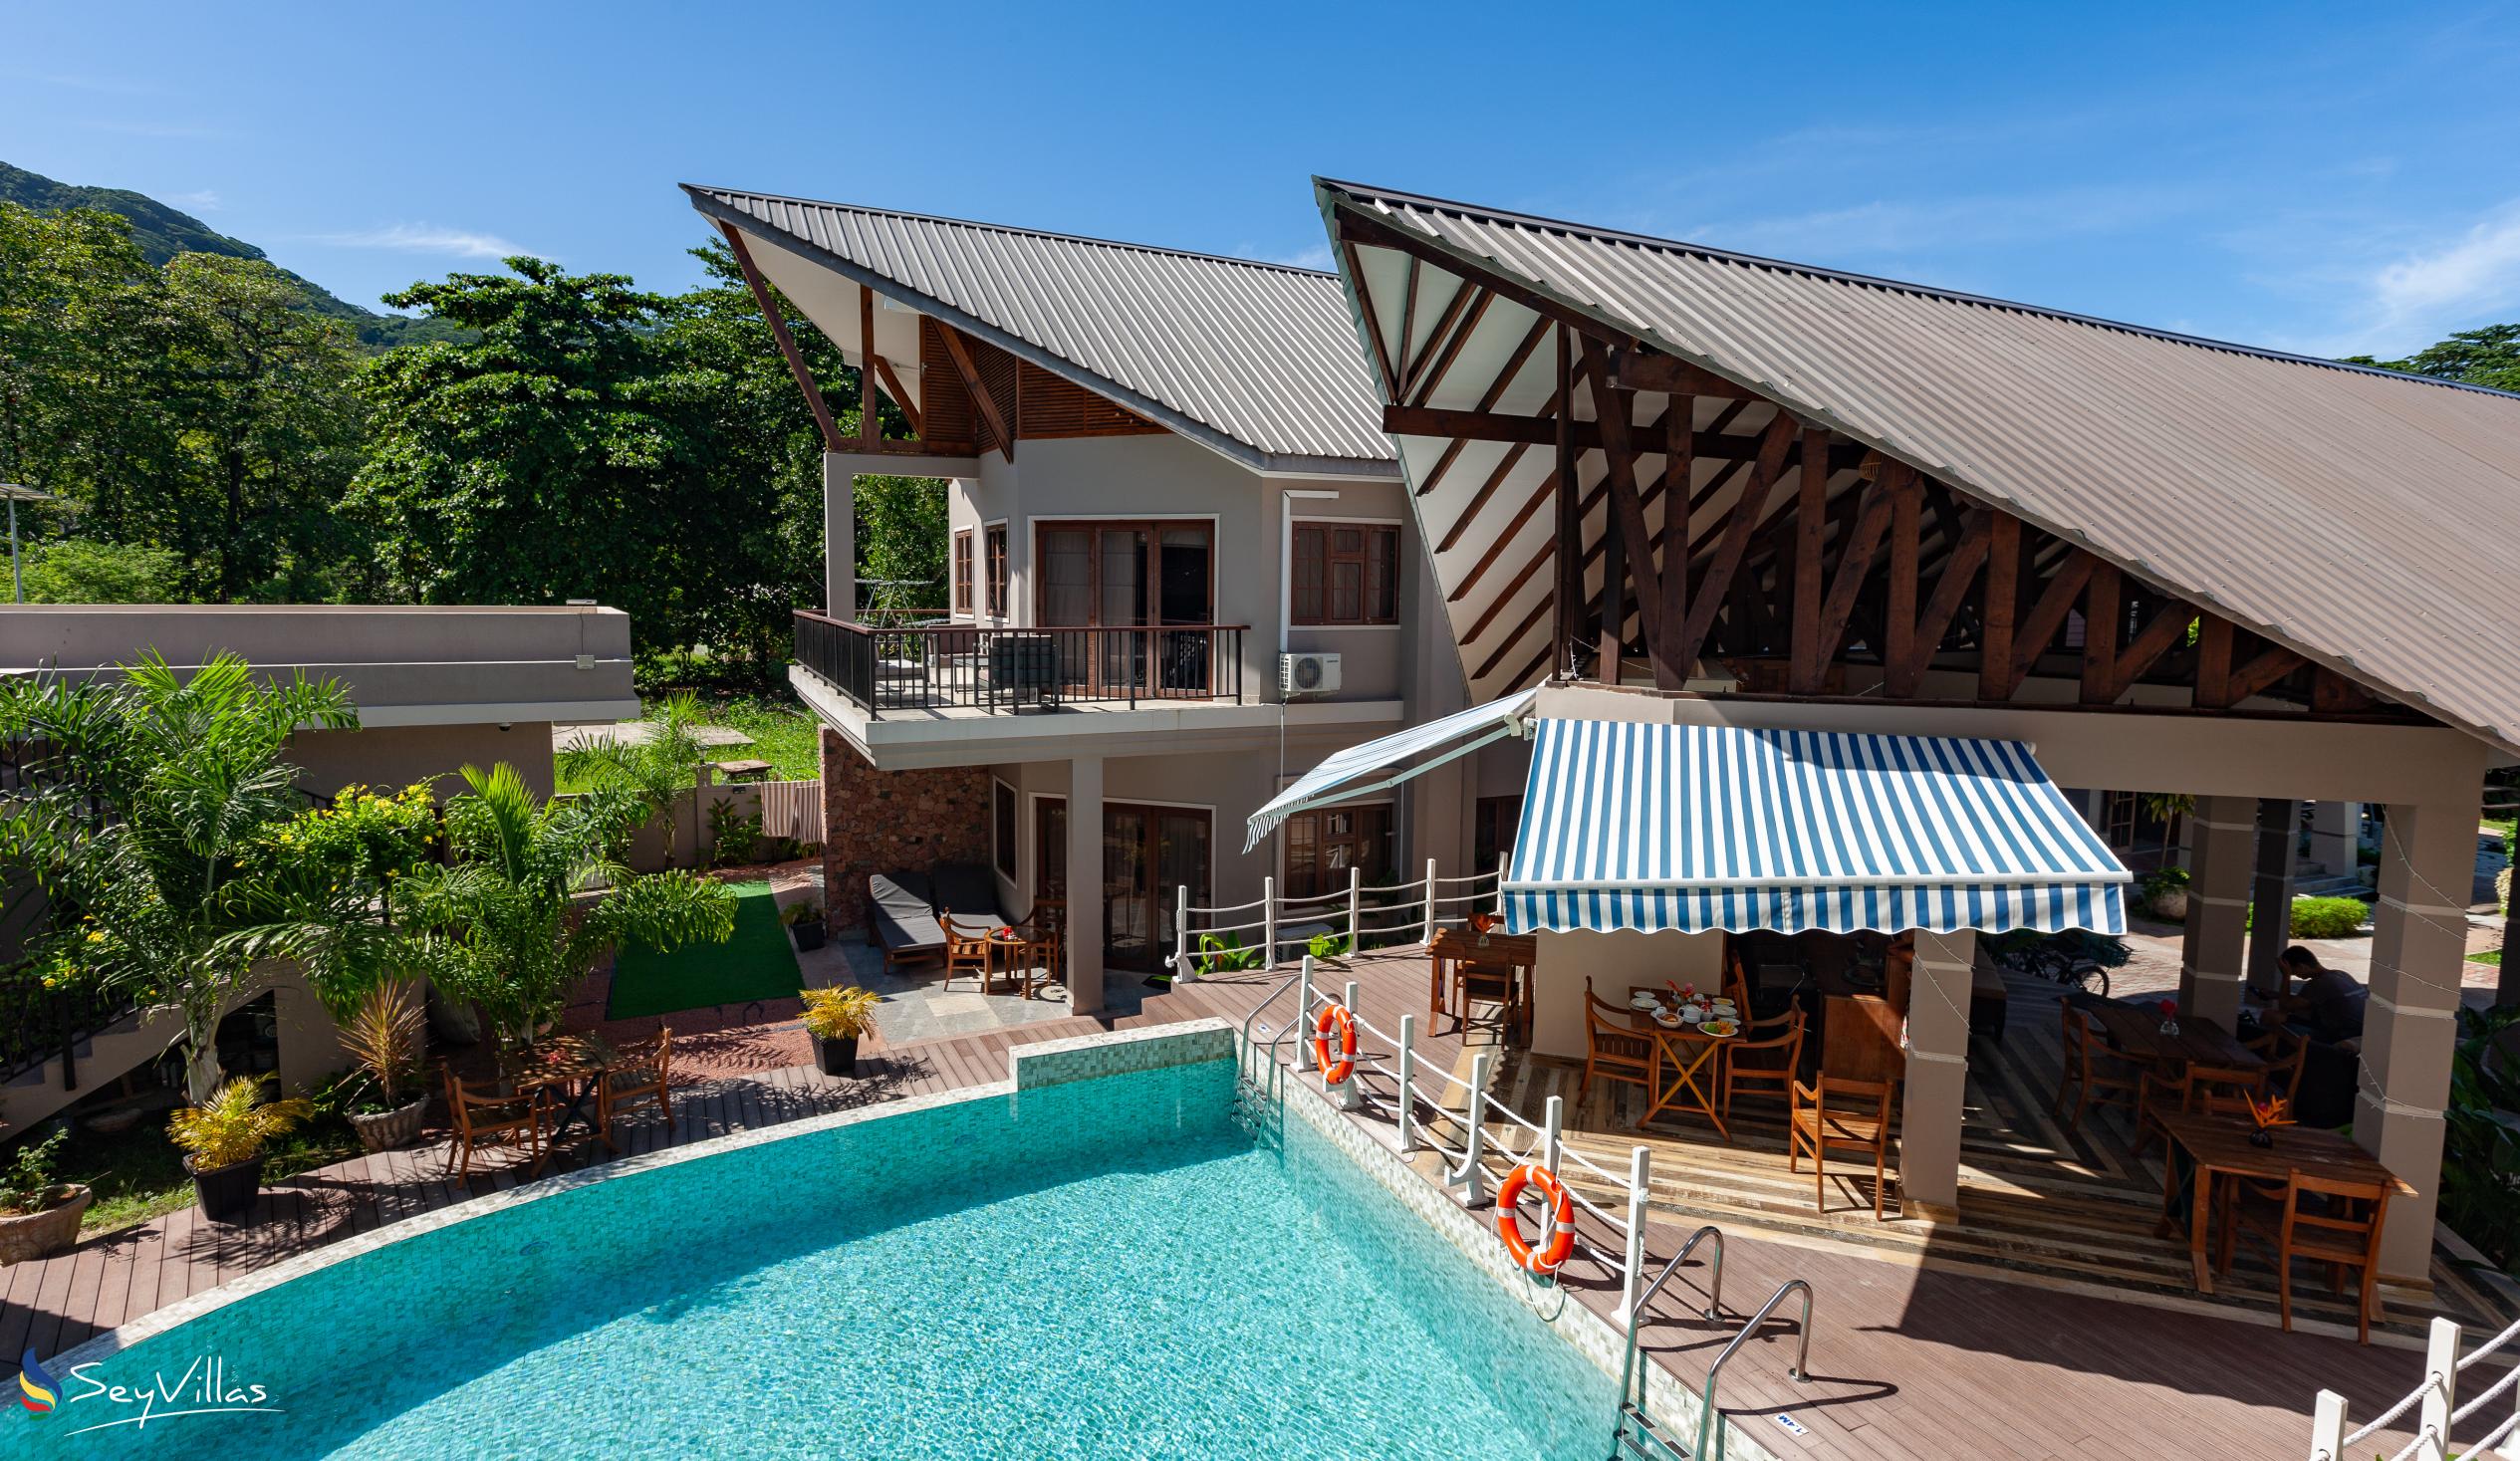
(1268, 1057)
(1638, 1434)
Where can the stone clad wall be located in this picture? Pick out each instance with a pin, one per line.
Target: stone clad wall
(893, 822)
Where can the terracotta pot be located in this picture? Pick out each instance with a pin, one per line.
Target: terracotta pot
(35, 1233)
(2170, 904)
(381, 1130)
(837, 1056)
(227, 1193)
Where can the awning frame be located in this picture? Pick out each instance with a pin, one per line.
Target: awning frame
(1512, 715)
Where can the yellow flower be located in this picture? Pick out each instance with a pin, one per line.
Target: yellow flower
(96, 938)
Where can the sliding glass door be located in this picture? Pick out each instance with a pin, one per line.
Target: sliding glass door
(1131, 578)
(1147, 853)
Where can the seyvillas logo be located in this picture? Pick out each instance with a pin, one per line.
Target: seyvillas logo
(204, 1387)
(37, 1390)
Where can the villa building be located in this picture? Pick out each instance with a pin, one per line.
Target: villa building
(1183, 571)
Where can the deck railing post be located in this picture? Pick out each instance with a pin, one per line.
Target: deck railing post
(1553, 1135)
(1351, 1089)
(1632, 1283)
(2327, 1428)
(1356, 906)
(1408, 1087)
(1473, 1174)
(1182, 971)
(2441, 1368)
(1504, 870)
(1269, 919)
(1304, 1017)
(1428, 936)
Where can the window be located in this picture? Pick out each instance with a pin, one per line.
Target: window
(1346, 574)
(996, 550)
(1005, 810)
(1322, 846)
(963, 571)
(1492, 832)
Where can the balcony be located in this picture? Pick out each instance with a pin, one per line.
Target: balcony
(968, 668)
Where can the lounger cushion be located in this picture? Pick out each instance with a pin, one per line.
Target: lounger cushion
(967, 892)
(901, 908)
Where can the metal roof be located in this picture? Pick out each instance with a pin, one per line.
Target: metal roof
(2367, 519)
(1257, 361)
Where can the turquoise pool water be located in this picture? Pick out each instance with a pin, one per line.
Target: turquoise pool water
(1105, 1268)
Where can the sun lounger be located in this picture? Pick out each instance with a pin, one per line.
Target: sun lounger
(901, 917)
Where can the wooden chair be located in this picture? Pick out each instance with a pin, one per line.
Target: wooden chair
(2213, 1089)
(2101, 1074)
(640, 1078)
(1045, 933)
(1849, 1105)
(1614, 1049)
(2285, 1053)
(1502, 985)
(1770, 1059)
(480, 1114)
(2343, 1233)
(969, 949)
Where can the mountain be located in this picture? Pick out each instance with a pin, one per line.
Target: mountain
(163, 233)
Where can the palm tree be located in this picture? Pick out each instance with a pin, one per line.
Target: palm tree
(149, 797)
(501, 924)
(655, 768)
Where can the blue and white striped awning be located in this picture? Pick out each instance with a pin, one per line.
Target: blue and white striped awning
(1695, 827)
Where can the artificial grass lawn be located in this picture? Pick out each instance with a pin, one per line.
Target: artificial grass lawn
(755, 963)
(2489, 956)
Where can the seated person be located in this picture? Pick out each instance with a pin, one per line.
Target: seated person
(2327, 1006)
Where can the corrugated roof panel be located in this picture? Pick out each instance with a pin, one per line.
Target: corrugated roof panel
(1260, 354)
(2366, 518)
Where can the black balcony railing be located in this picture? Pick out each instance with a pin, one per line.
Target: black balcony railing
(939, 666)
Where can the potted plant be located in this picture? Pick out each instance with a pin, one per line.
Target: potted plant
(805, 920)
(223, 1141)
(38, 1215)
(835, 1017)
(2165, 892)
(386, 1038)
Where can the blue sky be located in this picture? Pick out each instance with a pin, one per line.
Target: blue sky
(2330, 178)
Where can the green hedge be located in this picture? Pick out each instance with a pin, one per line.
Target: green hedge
(2329, 917)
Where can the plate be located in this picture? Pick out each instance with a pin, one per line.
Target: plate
(1642, 1001)
(1668, 1022)
(1717, 1028)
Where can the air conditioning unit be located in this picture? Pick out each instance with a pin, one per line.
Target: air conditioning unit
(1308, 674)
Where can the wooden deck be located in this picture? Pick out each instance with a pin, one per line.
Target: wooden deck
(2045, 1324)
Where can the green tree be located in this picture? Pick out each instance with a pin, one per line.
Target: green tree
(2487, 356)
(91, 571)
(500, 923)
(150, 801)
(658, 768)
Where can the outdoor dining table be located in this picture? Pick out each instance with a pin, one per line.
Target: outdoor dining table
(1680, 1054)
(2137, 1032)
(1025, 957)
(2206, 1147)
(575, 1065)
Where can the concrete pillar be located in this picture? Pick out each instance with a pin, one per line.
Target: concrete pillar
(2271, 893)
(1937, 1076)
(2333, 836)
(839, 540)
(1085, 884)
(2222, 843)
(2428, 857)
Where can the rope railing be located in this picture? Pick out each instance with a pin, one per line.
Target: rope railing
(2437, 1396)
(1429, 910)
(1468, 1166)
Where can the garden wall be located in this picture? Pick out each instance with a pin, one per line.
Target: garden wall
(893, 821)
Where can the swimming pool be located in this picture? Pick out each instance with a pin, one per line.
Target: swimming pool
(1107, 1267)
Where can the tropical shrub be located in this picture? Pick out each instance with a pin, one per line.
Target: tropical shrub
(841, 1012)
(386, 1038)
(234, 1124)
(2480, 1160)
(500, 922)
(146, 826)
(1224, 954)
(654, 771)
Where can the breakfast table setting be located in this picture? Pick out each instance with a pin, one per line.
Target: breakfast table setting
(1689, 1029)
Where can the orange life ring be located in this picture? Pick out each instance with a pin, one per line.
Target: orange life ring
(1345, 1066)
(1509, 1227)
